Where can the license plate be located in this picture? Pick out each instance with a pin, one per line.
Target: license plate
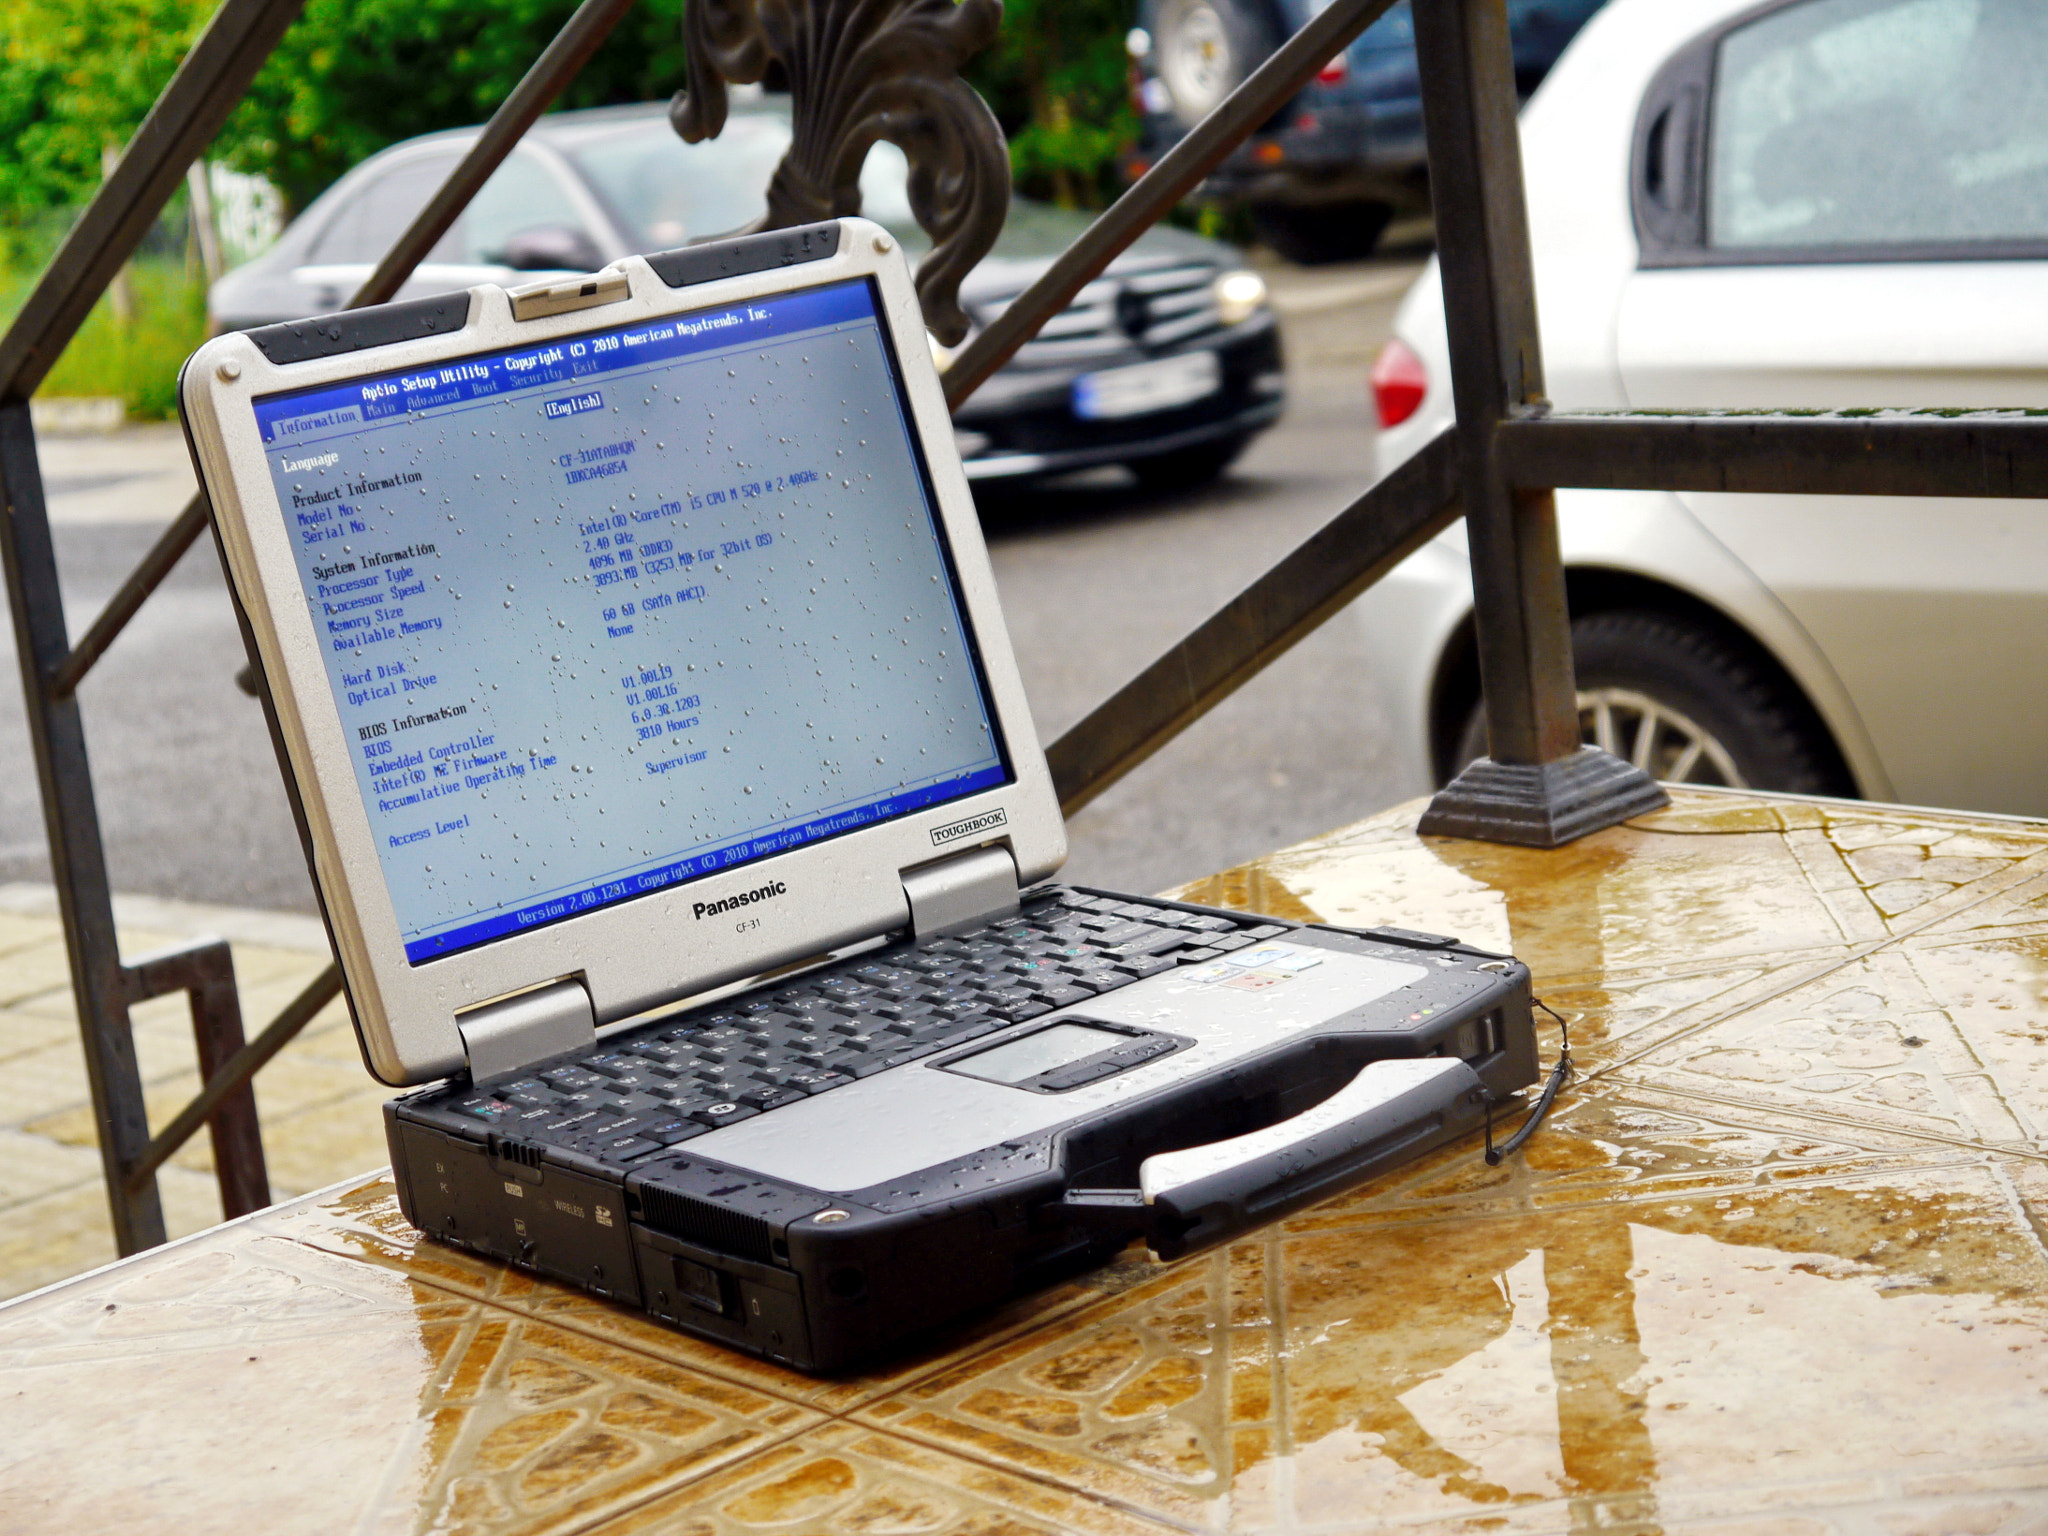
(1144, 387)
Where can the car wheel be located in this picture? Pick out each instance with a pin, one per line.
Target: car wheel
(1203, 49)
(1674, 697)
(1313, 234)
(1188, 469)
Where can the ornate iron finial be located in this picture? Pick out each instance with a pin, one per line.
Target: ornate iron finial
(858, 71)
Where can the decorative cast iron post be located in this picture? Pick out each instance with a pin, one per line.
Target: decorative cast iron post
(873, 69)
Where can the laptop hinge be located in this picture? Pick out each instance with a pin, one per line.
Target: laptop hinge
(966, 888)
(515, 1032)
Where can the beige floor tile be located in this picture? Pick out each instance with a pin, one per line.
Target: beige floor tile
(164, 1048)
(36, 968)
(51, 1003)
(323, 1145)
(332, 1038)
(46, 1082)
(258, 965)
(34, 1166)
(18, 932)
(21, 1030)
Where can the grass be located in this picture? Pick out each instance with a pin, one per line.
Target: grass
(137, 361)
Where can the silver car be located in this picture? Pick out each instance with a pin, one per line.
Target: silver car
(1169, 363)
(1800, 204)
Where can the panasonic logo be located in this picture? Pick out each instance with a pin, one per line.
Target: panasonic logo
(320, 461)
(743, 899)
(972, 824)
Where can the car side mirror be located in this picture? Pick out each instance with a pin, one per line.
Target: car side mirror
(552, 248)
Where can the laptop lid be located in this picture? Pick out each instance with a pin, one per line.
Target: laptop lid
(625, 636)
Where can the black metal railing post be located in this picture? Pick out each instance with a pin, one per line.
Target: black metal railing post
(78, 862)
(1537, 785)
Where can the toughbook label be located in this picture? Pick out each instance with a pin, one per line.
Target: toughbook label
(971, 825)
(743, 899)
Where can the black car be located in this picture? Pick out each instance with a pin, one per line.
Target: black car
(1324, 176)
(1168, 364)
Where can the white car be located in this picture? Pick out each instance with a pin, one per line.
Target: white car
(1795, 205)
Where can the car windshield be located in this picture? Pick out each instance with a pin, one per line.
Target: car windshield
(664, 192)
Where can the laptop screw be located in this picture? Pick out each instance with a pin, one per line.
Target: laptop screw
(229, 371)
(828, 1216)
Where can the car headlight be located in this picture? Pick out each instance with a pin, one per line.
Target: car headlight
(1239, 295)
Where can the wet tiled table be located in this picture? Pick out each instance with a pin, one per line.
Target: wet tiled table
(1776, 1266)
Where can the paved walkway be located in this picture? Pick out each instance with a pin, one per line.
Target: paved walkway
(319, 1106)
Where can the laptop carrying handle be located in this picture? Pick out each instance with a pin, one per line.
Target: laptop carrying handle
(1200, 1196)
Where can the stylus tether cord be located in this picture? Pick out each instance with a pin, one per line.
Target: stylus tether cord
(1558, 1074)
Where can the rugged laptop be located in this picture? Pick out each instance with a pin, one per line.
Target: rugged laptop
(634, 658)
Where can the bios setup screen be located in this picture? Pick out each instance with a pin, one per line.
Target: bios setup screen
(619, 610)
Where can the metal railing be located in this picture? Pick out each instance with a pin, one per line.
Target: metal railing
(1495, 467)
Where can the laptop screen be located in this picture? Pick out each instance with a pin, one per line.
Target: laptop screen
(618, 610)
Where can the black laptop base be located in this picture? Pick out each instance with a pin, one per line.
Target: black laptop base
(829, 1282)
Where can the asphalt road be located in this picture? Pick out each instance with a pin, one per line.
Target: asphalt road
(1096, 581)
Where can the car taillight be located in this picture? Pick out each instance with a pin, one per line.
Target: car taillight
(1399, 382)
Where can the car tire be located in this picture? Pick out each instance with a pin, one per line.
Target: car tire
(1190, 468)
(1716, 712)
(1203, 50)
(1315, 234)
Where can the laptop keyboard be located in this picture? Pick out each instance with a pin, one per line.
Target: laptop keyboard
(637, 1094)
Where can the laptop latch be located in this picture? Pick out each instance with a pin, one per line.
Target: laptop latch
(515, 1032)
(969, 887)
(539, 300)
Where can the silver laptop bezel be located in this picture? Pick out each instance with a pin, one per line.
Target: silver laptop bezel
(639, 953)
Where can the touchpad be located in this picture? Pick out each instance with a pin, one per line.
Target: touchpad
(1065, 1055)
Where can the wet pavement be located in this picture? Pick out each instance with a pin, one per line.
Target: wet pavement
(1776, 1266)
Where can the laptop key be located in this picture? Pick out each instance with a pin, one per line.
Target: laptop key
(727, 1113)
(669, 1132)
(769, 1097)
(1060, 997)
(817, 1080)
(570, 1079)
(1152, 944)
(1148, 965)
(1025, 1008)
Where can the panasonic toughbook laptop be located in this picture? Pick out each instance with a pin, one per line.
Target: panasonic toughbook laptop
(632, 637)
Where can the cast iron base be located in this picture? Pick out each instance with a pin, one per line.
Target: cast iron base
(1541, 805)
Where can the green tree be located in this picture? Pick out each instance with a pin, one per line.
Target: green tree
(75, 77)
(352, 76)
(1058, 80)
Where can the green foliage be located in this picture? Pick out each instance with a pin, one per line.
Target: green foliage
(1059, 83)
(352, 76)
(137, 360)
(75, 77)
